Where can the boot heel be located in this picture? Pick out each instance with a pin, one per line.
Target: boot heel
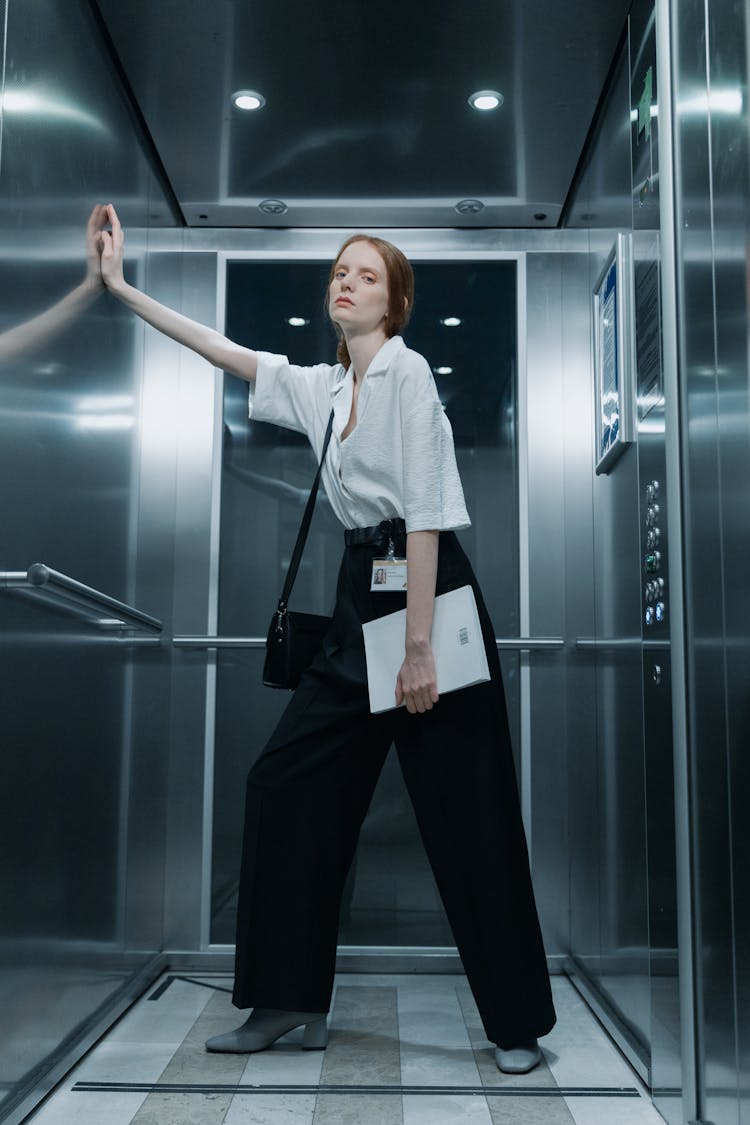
(315, 1037)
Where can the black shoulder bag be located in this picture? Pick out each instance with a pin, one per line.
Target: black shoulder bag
(294, 639)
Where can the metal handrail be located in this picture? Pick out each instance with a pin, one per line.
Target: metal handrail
(513, 644)
(619, 644)
(76, 596)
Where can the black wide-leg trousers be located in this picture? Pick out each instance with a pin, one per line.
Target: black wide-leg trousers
(310, 789)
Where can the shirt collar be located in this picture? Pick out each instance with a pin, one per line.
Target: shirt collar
(381, 361)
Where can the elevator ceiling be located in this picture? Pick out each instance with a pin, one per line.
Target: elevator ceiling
(366, 121)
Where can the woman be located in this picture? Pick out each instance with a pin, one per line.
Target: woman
(390, 475)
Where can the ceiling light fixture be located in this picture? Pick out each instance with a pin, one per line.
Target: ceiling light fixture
(248, 99)
(486, 99)
(297, 321)
(443, 370)
(450, 321)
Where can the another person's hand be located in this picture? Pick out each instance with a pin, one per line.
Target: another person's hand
(111, 245)
(94, 228)
(416, 683)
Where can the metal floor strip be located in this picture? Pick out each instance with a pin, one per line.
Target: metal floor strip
(266, 1088)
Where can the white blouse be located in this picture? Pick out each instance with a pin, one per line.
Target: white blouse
(398, 461)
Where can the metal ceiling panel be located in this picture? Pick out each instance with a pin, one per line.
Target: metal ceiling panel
(366, 119)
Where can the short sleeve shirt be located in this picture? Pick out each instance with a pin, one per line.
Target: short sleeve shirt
(398, 461)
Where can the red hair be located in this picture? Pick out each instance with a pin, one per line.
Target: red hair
(400, 278)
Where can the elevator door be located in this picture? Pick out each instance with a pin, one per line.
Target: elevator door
(390, 898)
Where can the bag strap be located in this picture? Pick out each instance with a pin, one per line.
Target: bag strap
(299, 546)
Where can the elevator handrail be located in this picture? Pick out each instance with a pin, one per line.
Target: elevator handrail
(617, 644)
(512, 644)
(74, 595)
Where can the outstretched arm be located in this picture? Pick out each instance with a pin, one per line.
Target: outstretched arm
(217, 349)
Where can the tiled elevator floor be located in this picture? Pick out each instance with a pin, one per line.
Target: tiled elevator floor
(403, 1050)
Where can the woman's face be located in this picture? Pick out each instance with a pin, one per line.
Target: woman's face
(358, 293)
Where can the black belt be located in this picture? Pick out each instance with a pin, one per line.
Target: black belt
(378, 535)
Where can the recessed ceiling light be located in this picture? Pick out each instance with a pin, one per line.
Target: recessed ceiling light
(486, 99)
(297, 321)
(443, 370)
(248, 99)
(450, 321)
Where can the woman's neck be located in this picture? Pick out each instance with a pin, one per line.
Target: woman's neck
(363, 350)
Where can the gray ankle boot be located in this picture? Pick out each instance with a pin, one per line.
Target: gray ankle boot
(266, 1025)
(520, 1059)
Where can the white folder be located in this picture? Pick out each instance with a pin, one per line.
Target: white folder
(456, 640)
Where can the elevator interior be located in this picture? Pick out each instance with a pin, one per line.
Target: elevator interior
(128, 466)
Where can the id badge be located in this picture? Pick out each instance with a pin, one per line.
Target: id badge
(388, 575)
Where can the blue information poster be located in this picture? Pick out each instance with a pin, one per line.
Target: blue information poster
(609, 374)
(613, 356)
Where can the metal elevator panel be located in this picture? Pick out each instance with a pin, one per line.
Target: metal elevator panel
(711, 142)
(623, 910)
(366, 121)
(84, 721)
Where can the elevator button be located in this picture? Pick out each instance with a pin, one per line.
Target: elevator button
(652, 538)
(649, 615)
(652, 562)
(660, 611)
(656, 674)
(652, 515)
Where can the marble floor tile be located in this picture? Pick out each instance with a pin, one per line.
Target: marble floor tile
(271, 1109)
(183, 1109)
(589, 1065)
(165, 1020)
(358, 1109)
(446, 1109)
(123, 1062)
(363, 1048)
(435, 1046)
(530, 1111)
(613, 1111)
(65, 1107)
(284, 1063)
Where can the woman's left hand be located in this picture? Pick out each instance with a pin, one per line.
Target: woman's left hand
(416, 683)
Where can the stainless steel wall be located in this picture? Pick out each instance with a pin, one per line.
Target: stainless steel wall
(710, 82)
(623, 939)
(84, 706)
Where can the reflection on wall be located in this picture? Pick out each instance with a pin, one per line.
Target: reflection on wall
(81, 879)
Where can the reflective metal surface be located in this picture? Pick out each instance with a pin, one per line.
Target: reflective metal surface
(116, 836)
(68, 593)
(411, 146)
(624, 910)
(83, 715)
(710, 50)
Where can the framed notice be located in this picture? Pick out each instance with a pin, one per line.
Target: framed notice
(614, 355)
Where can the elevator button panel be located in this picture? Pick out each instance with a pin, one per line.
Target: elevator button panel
(654, 586)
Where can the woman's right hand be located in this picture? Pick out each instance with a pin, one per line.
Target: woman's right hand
(111, 250)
